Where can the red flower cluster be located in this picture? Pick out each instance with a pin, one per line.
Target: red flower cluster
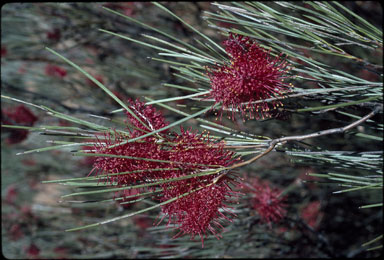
(54, 34)
(311, 214)
(152, 119)
(3, 51)
(148, 149)
(16, 232)
(55, 71)
(11, 194)
(266, 201)
(171, 155)
(128, 8)
(32, 251)
(98, 78)
(15, 116)
(250, 78)
(139, 156)
(199, 211)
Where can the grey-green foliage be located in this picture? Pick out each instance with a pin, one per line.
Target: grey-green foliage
(325, 42)
(328, 46)
(315, 36)
(310, 33)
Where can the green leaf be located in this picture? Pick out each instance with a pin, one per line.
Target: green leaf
(137, 212)
(339, 105)
(190, 47)
(139, 158)
(167, 127)
(371, 206)
(191, 27)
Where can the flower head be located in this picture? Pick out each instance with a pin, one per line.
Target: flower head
(54, 34)
(20, 115)
(267, 201)
(99, 78)
(311, 214)
(148, 115)
(11, 194)
(15, 116)
(196, 203)
(198, 211)
(251, 77)
(15, 232)
(32, 251)
(55, 71)
(128, 8)
(140, 159)
(3, 51)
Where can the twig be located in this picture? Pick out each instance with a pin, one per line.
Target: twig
(275, 142)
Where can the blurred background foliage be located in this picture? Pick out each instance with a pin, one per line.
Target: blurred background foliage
(319, 223)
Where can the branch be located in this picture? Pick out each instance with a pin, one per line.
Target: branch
(277, 141)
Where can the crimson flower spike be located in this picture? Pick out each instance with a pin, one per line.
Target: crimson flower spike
(251, 77)
(200, 212)
(266, 200)
(148, 114)
(14, 116)
(149, 149)
(202, 202)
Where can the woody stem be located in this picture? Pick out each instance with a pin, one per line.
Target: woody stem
(274, 142)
